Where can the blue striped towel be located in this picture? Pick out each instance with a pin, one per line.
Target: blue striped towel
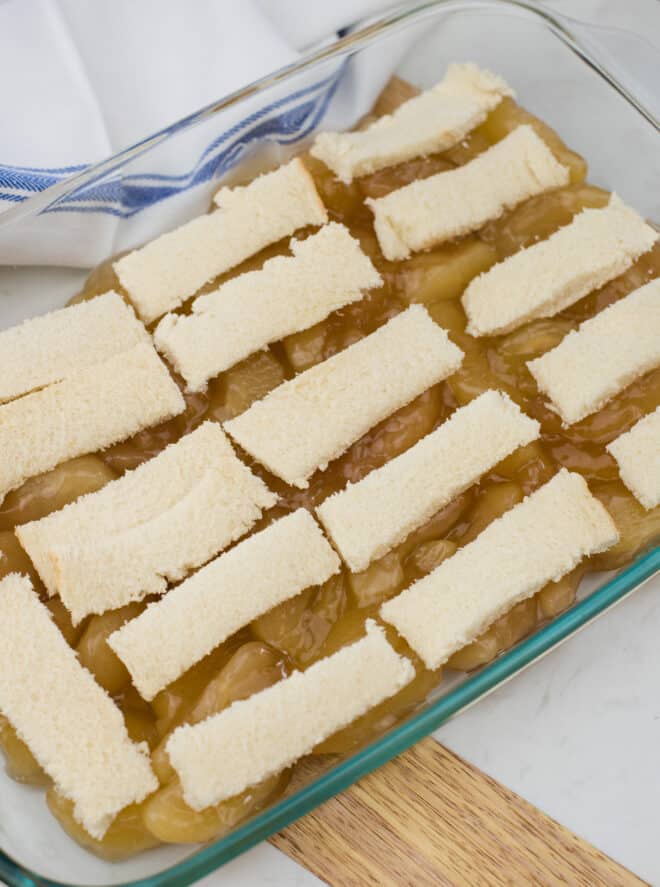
(90, 79)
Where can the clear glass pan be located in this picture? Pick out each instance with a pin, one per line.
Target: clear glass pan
(563, 71)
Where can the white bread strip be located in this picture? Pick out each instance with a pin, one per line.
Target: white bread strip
(289, 294)
(536, 542)
(451, 204)
(540, 281)
(637, 453)
(152, 525)
(435, 120)
(272, 566)
(89, 410)
(262, 735)
(313, 418)
(168, 270)
(51, 347)
(69, 723)
(370, 517)
(140, 497)
(604, 355)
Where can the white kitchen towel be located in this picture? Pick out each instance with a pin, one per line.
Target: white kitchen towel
(84, 80)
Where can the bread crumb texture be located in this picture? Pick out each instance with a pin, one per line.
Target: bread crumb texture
(266, 569)
(89, 410)
(165, 272)
(313, 418)
(70, 724)
(451, 204)
(290, 293)
(262, 735)
(433, 121)
(128, 535)
(367, 519)
(536, 542)
(637, 453)
(603, 356)
(597, 246)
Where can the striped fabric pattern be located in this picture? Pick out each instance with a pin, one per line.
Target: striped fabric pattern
(285, 121)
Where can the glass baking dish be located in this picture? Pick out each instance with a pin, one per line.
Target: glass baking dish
(563, 72)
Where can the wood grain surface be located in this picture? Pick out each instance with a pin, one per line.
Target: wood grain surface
(430, 818)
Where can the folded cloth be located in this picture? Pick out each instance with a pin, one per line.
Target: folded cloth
(90, 79)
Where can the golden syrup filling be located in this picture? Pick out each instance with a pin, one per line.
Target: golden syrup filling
(321, 620)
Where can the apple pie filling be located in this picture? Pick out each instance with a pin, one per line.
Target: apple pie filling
(323, 619)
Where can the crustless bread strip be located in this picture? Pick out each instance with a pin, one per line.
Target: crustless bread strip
(290, 293)
(70, 724)
(451, 204)
(160, 276)
(609, 351)
(266, 569)
(433, 121)
(262, 735)
(536, 542)
(49, 348)
(126, 540)
(545, 278)
(313, 418)
(89, 410)
(368, 518)
(637, 453)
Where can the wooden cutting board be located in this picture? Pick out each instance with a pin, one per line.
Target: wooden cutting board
(430, 818)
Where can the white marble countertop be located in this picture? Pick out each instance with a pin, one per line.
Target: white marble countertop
(578, 733)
